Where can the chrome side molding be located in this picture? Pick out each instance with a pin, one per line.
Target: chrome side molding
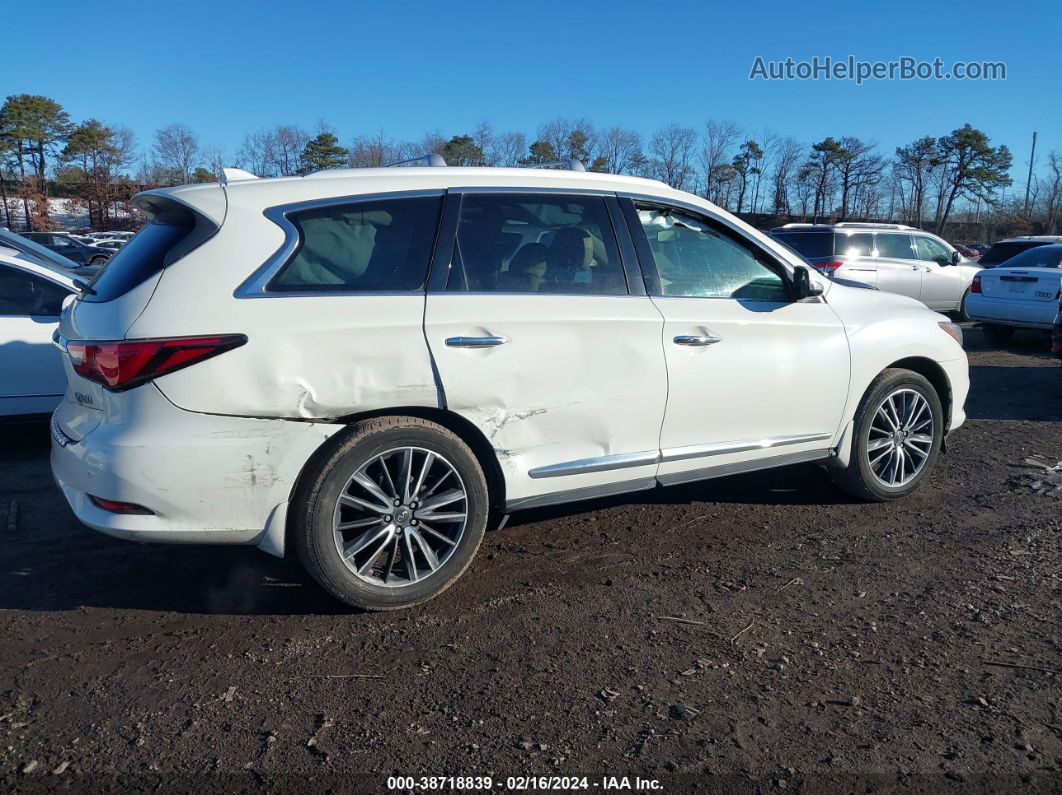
(624, 460)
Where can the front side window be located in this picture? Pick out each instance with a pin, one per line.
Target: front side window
(536, 243)
(892, 246)
(23, 294)
(932, 250)
(696, 259)
(371, 246)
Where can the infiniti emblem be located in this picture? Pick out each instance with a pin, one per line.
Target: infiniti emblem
(403, 515)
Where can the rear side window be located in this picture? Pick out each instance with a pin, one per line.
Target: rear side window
(536, 243)
(892, 246)
(1001, 252)
(370, 246)
(813, 245)
(858, 245)
(24, 294)
(141, 258)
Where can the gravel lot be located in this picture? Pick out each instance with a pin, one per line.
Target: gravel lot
(754, 632)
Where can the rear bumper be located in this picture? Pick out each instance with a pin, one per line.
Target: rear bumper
(1012, 312)
(207, 479)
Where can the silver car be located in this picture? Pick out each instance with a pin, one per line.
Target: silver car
(891, 257)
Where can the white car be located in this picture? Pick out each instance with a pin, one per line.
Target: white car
(367, 366)
(891, 257)
(32, 379)
(1023, 292)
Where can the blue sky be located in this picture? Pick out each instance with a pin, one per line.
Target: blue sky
(226, 68)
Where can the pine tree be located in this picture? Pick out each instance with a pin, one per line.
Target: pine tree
(323, 152)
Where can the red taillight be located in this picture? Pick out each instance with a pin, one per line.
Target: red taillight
(129, 363)
(119, 507)
(975, 285)
(829, 267)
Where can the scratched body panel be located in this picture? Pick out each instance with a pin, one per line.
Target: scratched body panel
(580, 377)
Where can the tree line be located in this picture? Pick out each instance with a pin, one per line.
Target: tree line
(953, 176)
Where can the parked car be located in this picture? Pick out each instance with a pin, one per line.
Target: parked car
(113, 235)
(113, 246)
(32, 380)
(966, 251)
(1001, 251)
(1056, 333)
(366, 366)
(70, 248)
(1023, 292)
(19, 243)
(980, 248)
(892, 257)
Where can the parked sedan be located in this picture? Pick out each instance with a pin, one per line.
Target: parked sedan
(32, 380)
(1022, 293)
(70, 248)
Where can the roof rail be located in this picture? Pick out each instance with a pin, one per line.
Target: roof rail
(868, 225)
(801, 226)
(569, 163)
(433, 158)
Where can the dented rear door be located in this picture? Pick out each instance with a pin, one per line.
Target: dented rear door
(538, 341)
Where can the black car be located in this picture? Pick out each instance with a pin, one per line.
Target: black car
(70, 248)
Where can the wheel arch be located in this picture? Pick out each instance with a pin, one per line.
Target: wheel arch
(933, 373)
(456, 424)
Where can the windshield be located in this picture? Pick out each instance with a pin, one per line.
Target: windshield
(1001, 252)
(45, 256)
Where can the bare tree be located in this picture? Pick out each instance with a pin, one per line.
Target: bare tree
(620, 149)
(177, 150)
(509, 148)
(859, 170)
(289, 141)
(786, 161)
(1053, 193)
(719, 140)
(256, 153)
(672, 150)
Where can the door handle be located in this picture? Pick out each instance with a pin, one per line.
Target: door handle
(694, 340)
(475, 342)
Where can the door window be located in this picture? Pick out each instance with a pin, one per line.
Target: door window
(694, 258)
(854, 246)
(932, 250)
(892, 246)
(25, 295)
(536, 243)
(373, 246)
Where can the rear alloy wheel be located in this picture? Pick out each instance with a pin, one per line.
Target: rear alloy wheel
(394, 515)
(999, 335)
(897, 434)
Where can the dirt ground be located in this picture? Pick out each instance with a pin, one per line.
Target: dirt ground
(754, 633)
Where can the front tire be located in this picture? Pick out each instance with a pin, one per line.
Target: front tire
(897, 435)
(1000, 335)
(393, 515)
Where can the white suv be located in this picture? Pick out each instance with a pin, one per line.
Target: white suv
(370, 366)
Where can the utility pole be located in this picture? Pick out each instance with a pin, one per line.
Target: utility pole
(1028, 180)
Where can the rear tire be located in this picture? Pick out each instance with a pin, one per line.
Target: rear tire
(371, 553)
(999, 335)
(893, 449)
(962, 315)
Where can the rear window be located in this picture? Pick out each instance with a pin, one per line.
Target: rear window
(854, 245)
(813, 245)
(1039, 257)
(370, 246)
(139, 260)
(1001, 252)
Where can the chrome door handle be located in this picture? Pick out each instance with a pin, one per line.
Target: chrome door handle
(475, 342)
(697, 339)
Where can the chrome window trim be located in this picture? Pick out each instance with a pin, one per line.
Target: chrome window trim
(540, 189)
(625, 460)
(254, 286)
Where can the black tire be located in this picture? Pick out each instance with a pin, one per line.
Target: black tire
(999, 335)
(99, 260)
(859, 478)
(314, 510)
(962, 316)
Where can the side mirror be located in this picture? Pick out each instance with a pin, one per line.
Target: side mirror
(956, 258)
(803, 285)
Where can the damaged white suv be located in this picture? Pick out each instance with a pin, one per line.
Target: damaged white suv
(370, 366)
